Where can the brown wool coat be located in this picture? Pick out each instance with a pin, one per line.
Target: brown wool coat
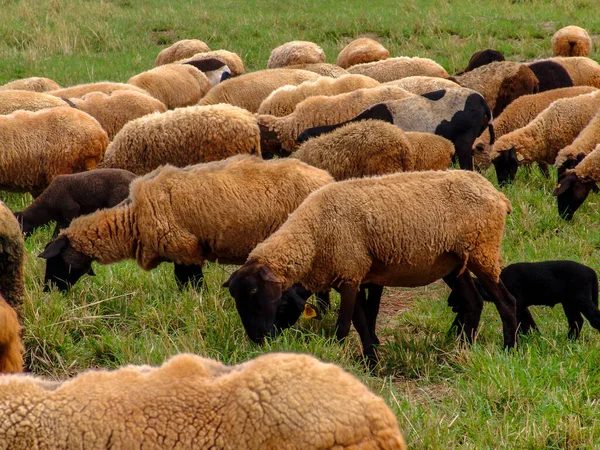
(571, 41)
(584, 143)
(323, 69)
(401, 67)
(104, 86)
(360, 51)
(12, 100)
(589, 168)
(12, 254)
(180, 50)
(582, 70)
(37, 84)
(11, 347)
(295, 52)
(421, 85)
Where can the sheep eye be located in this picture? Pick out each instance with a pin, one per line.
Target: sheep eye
(253, 291)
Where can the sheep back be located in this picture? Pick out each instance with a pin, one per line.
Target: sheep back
(360, 51)
(295, 52)
(401, 67)
(114, 110)
(45, 144)
(12, 284)
(232, 60)
(216, 405)
(571, 41)
(431, 152)
(583, 71)
(104, 86)
(421, 85)
(323, 69)
(589, 168)
(483, 57)
(37, 84)
(180, 50)
(248, 91)
(12, 100)
(175, 85)
(282, 101)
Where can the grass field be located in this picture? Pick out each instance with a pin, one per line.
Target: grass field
(544, 395)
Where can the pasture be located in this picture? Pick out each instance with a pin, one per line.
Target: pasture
(543, 395)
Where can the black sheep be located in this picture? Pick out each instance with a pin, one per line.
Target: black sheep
(458, 114)
(548, 283)
(551, 75)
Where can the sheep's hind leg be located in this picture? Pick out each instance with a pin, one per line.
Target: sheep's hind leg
(466, 302)
(525, 321)
(372, 308)
(362, 324)
(590, 312)
(575, 321)
(188, 274)
(323, 302)
(348, 294)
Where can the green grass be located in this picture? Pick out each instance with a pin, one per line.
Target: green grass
(544, 395)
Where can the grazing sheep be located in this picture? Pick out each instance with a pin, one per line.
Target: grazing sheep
(12, 100)
(248, 91)
(279, 134)
(582, 146)
(11, 347)
(232, 60)
(482, 58)
(70, 196)
(583, 71)
(360, 51)
(12, 254)
(38, 146)
(282, 101)
(550, 75)
(181, 137)
(275, 401)
(500, 83)
(458, 114)
(114, 110)
(574, 185)
(37, 84)
(373, 147)
(395, 68)
(432, 152)
(180, 50)
(421, 85)
(571, 41)
(104, 86)
(295, 52)
(518, 114)
(541, 140)
(236, 203)
(175, 85)
(215, 70)
(405, 229)
(548, 283)
(323, 69)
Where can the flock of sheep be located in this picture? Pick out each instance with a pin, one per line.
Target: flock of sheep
(177, 165)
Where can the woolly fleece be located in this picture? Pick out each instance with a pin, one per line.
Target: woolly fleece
(589, 168)
(583, 71)
(295, 52)
(248, 91)
(583, 144)
(12, 100)
(282, 101)
(401, 67)
(37, 146)
(421, 84)
(180, 50)
(323, 69)
(104, 86)
(360, 51)
(11, 347)
(571, 41)
(232, 60)
(37, 84)
(184, 136)
(275, 401)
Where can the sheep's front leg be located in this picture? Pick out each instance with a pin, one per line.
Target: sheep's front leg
(348, 294)
(506, 306)
(188, 274)
(525, 321)
(362, 325)
(372, 308)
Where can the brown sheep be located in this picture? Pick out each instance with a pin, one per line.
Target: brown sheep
(360, 51)
(421, 85)
(11, 347)
(395, 68)
(323, 69)
(233, 61)
(583, 145)
(12, 254)
(36, 84)
(571, 41)
(295, 52)
(180, 50)
(107, 87)
(583, 71)
(12, 100)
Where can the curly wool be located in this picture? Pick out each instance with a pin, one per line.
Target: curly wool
(520, 113)
(237, 203)
(283, 101)
(295, 52)
(181, 137)
(421, 84)
(11, 347)
(583, 144)
(360, 51)
(107, 87)
(248, 91)
(232, 60)
(278, 400)
(12, 253)
(323, 69)
(373, 147)
(500, 83)
(12, 100)
(571, 41)
(176, 85)
(45, 144)
(114, 110)
(180, 50)
(583, 71)
(395, 68)
(552, 130)
(37, 84)
(323, 110)
(352, 232)
(589, 168)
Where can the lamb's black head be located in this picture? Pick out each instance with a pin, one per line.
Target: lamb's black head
(257, 294)
(506, 163)
(570, 163)
(64, 264)
(571, 192)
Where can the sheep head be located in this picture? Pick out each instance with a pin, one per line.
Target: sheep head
(64, 264)
(507, 163)
(257, 293)
(270, 143)
(571, 192)
(569, 163)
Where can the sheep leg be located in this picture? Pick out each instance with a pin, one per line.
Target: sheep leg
(469, 311)
(544, 169)
(463, 146)
(372, 308)
(348, 294)
(188, 274)
(525, 321)
(505, 304)
(590, 312)
(575, 321)
(323, 301)
(361, 323)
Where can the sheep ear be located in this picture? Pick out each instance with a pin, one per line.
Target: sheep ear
(562, 186)
(266, 274)
(54, 248)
